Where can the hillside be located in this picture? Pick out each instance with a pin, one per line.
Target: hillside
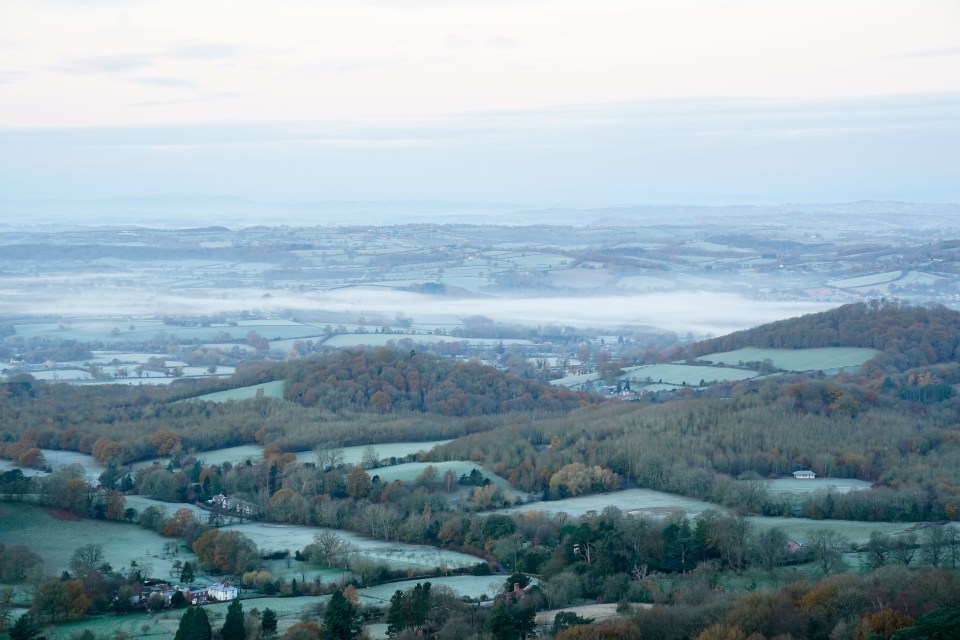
(384, 380)
(908, 335)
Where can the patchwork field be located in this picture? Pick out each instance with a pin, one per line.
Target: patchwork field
(796, 359)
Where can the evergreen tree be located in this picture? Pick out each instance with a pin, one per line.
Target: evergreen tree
(233, 628)
(396, 614)
(341, 620)
(418, 605)
(25, 629)
(510, 622)
(186, 574)
(194, 625)
(268, 623)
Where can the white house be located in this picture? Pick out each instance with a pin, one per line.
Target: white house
(804, 474)
(222, 591)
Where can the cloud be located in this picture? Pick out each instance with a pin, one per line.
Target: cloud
(123, 64)
(930, 53)
(708, 151)
(109, 64)
(172, 83)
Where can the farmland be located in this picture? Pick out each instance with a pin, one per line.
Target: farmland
(266, 389)
(824, 359)
(56, 539)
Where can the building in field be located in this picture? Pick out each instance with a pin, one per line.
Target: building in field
(804, 474)
(222, 591)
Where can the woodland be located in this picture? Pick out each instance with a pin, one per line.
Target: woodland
(894, 424)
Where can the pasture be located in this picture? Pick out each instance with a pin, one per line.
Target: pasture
(471, 586)
(857, 532)
(56, 458)
(55, 540)
(823, 359)
(680, 374)
(163, 625)
(838, 485)
(640, 501)
(384, 451)
(270, 390)
(396, 555)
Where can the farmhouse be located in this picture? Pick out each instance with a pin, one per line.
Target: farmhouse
(195, 595)
(222, 591)
(233, 504)
(804, 474)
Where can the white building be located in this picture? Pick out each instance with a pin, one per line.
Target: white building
(222, 591)
(804, 474)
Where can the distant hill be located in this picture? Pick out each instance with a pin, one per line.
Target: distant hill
(908, 335)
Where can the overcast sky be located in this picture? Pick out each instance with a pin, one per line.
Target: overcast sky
(579, 102)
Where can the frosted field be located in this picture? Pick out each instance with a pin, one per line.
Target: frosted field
(384, 451)
(270, 390)
(472, 586)
(645, 282)
(381, 339)
(56, 540)
(57, 458)
(163, 625)
(7, 465)
(839, 485)
(866, 281)
(800, 529)
(677, 374)
(168, 508)
(409, 471)
(644, 501)
(396, 555)
(797, 359)
(657, 503)
(579, 278)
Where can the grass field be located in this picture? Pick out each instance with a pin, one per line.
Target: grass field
(839, 485)
(797, 359)
(164, 625)
(56, 540)
(678, 374)
(646, 501)
(57, 458)
(472, 586)
(384, 451)
(409, 471)
(270, 390)
(396, 555)
(857, 532)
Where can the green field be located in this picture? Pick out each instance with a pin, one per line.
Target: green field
(792, 485)
(384, 451)
(270, 390)
(857, 532)
(409, 471)
(396, 555)
(163, 625)
(643, 501)
(679, 374)
(824, 359)
(56, 540)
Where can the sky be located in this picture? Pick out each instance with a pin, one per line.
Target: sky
(533, 102)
